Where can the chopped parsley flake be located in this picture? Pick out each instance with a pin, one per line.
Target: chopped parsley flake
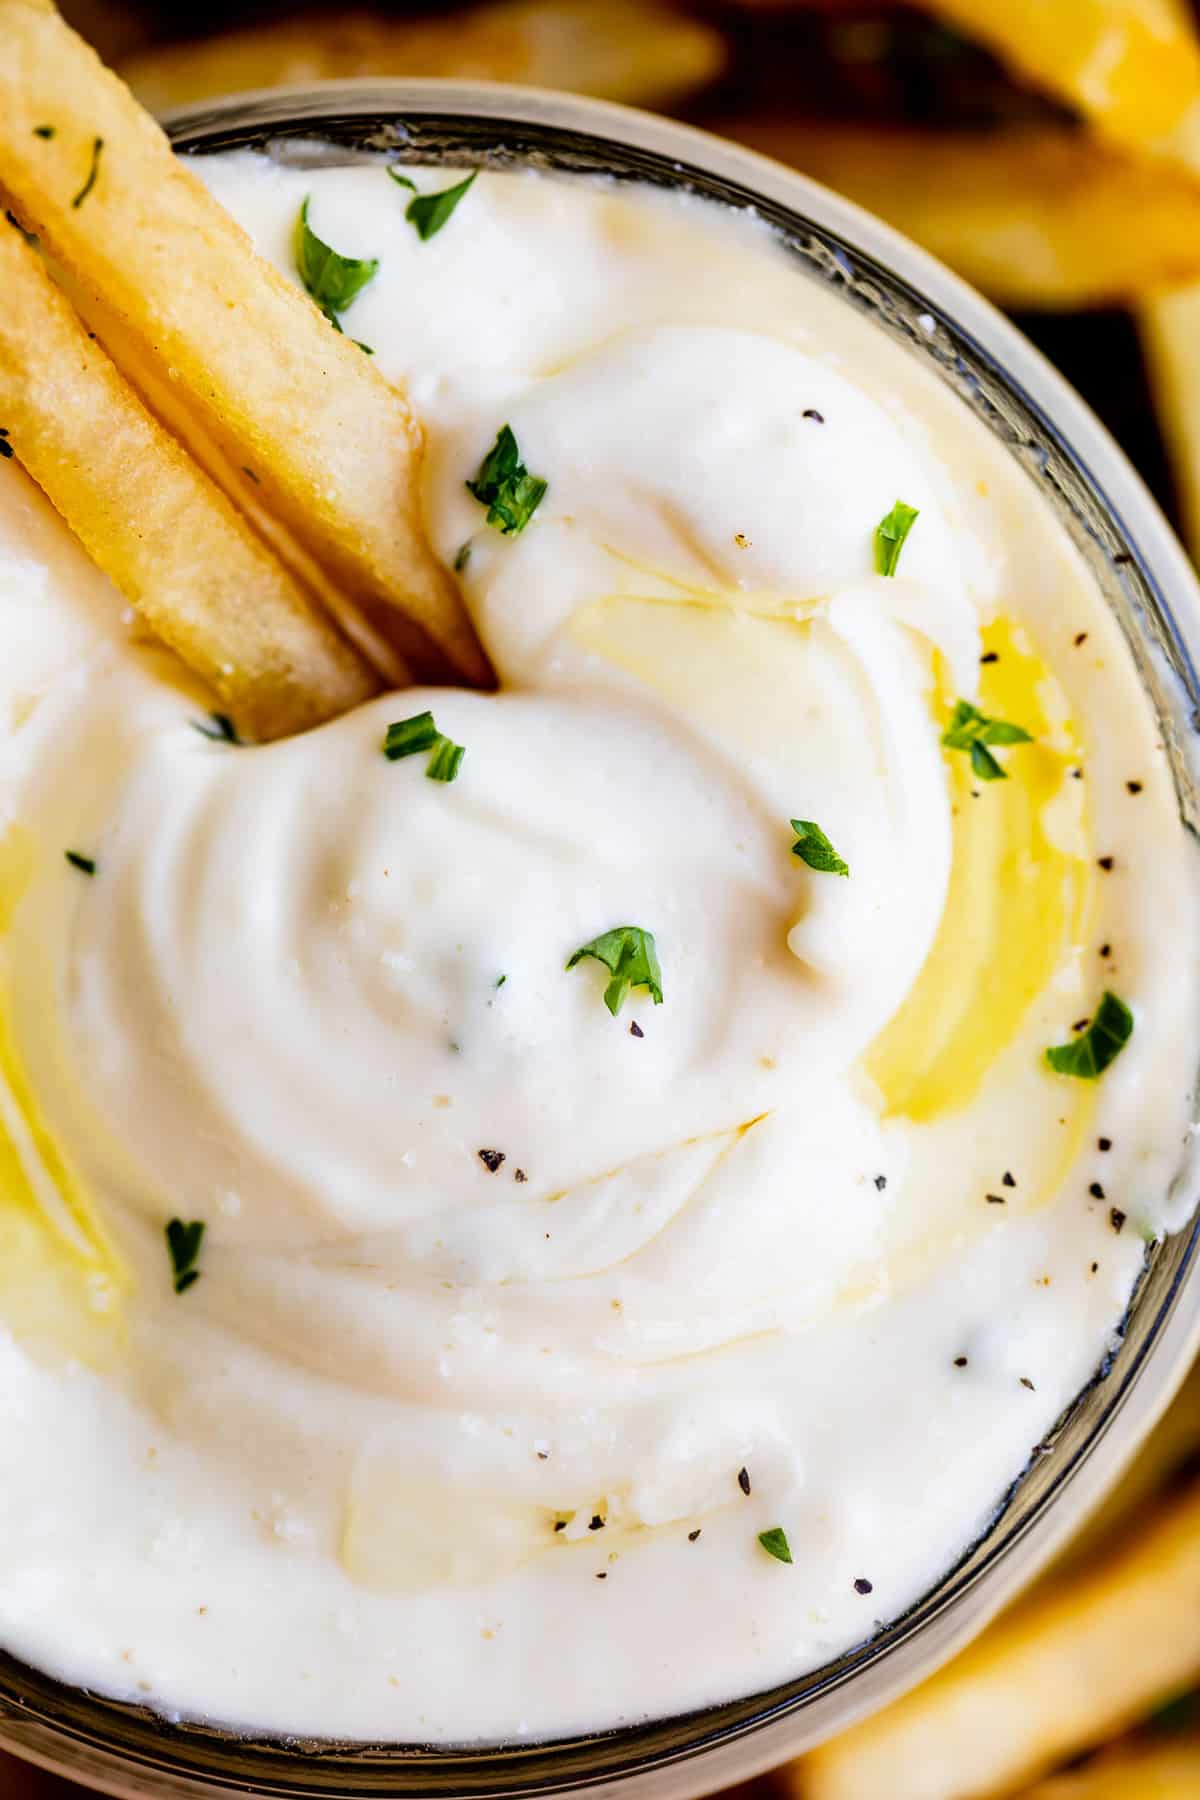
(504, 485)
(400, 178)
(973, 731)
(429, 212)
(183, 1243)
(815, 849)
(218, 726)
(86, 864)
(93, 172)
(446, 761)
(333, 281)
(890, 534)
(463, 557)
(409, 737)
(630, 956)
(775, 1543)
(1088, 1055)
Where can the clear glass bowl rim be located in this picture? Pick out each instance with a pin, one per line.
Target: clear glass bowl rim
(128, 1751)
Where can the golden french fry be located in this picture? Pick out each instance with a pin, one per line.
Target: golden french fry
(1146, 1771)
(1170, 330)
(1132, 67)
(1028, 216)
(265, 379)
(1078, 1661)
(615, 49)
(146, 514)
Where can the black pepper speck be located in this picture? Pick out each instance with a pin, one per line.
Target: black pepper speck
(1116, 1218)
(491, 1159)
(1096, 1191)
(1026, 1383)
(881, 1182)
(635, 1030)
(1008, 1179)
(743, 1480)
(863, 1586)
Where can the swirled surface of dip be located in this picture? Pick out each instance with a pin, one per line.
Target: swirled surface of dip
(519, 1321)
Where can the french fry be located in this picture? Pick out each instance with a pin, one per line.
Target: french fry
(1132, 67)
(333, 446)
(615, 49)
(1078, 1661)
(1028, 216)
(154, 522)
(1145, 1771)
(1169, 324)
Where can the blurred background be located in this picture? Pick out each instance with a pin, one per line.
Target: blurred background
(1050, 151)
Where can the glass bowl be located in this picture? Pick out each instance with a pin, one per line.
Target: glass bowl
(129, 1751)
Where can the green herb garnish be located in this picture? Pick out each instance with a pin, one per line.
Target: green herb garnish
(1088, 1055)
(890, 534)
(629, 955)
(815, 849)
(218, 726)
(775, 1543)
(44, 131)
(183, 1243)
(505, 486)
(400, 178)
(429, 212)
(408, 737)
(93, 172)
(446, 760)
(463, 557)
(86, 864)
(333, 281)
(971, 730)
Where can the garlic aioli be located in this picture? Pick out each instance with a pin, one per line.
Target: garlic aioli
(518, 1322)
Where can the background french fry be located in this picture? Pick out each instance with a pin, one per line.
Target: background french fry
(1170, 331)
(1147, 1771)
(334, 446)
(1132, 67)
(615, 49)
(1080, 1660)
(168, 538)
(1025, 215)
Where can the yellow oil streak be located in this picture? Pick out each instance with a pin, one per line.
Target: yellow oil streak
(1017, 901)
(60, 1277)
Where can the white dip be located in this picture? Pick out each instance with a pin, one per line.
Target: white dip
(826, 1218)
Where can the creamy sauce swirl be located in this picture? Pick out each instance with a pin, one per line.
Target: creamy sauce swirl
(498, 1295)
